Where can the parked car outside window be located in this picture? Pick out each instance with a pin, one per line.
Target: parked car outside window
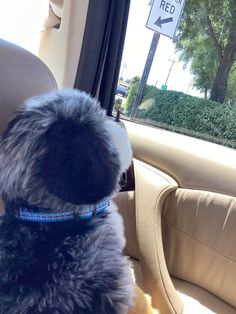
(122, 90)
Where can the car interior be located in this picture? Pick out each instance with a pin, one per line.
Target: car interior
(178, 200)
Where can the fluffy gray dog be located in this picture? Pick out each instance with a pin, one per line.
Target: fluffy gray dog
(61, 238)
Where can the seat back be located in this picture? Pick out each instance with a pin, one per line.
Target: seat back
(199, 240)
(22, 75)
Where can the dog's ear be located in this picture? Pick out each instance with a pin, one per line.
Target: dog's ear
(121, 142)
(80, 166)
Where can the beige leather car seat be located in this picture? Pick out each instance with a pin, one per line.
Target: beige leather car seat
(22, 75)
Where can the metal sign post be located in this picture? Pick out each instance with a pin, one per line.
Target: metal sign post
(147, 68)
(163, 19)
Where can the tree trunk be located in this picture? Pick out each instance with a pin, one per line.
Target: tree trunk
(220, 83)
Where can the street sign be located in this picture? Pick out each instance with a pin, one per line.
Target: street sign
(164, 16)
(163, 87)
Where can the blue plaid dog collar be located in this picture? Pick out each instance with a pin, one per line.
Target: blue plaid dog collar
(101, 209)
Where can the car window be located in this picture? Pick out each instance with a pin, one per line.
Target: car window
(190, 87)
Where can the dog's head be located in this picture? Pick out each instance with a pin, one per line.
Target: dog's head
(62, 149)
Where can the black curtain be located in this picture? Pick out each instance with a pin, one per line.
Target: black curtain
(102, 48)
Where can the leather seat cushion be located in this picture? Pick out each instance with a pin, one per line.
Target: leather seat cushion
(199, 301)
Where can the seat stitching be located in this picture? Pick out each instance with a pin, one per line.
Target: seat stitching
(231, 257)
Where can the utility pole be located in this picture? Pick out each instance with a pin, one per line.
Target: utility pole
(189, 85)
(146, 71)
(171, 67)
(124, 67)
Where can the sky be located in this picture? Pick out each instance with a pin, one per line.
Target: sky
(137, 44)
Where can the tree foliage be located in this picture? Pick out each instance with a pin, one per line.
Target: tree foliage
(231, 91)
(207, 38)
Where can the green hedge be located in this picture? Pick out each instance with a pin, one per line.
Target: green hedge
(187, 114)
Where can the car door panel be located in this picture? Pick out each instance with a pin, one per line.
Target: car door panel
(184, 207)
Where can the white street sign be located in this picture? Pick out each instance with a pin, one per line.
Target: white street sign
(164, 16)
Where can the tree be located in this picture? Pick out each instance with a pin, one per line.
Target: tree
(231, 91)
(207, 37)
(203, 62)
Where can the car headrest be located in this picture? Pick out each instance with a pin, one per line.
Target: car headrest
(22, 75)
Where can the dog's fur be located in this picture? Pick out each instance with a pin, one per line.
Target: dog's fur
(59, 153)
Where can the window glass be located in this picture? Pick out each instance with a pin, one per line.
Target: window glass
(191, 85)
